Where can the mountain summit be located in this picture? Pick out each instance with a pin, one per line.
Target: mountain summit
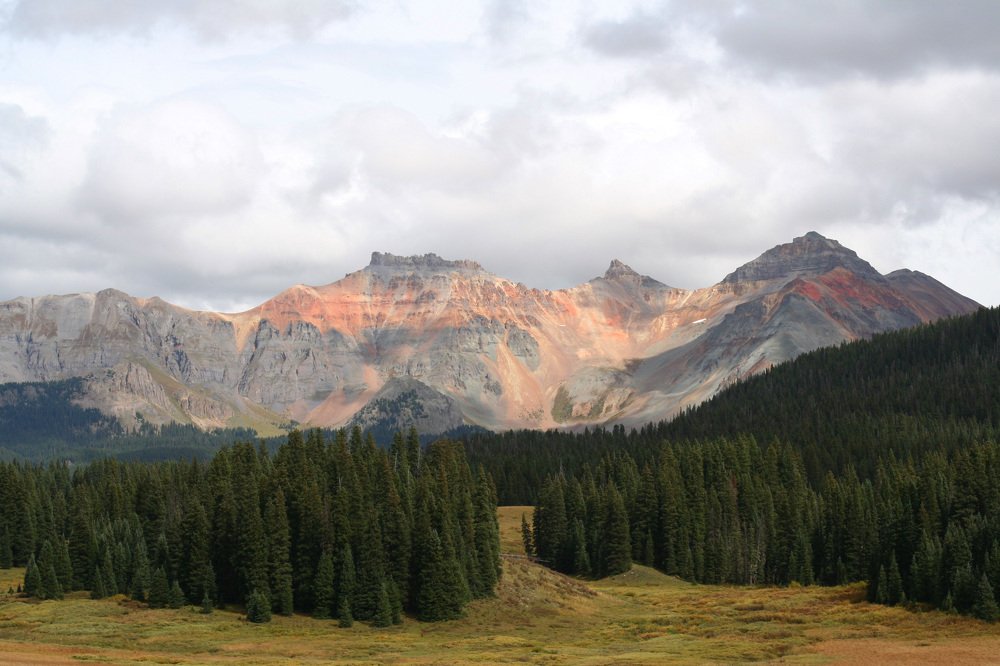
(811, 254)
(429, 261)
(449, 343)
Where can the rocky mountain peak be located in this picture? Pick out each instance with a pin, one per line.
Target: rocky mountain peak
(623, 273)
(811, 254)
(618, 270)
(428, 261)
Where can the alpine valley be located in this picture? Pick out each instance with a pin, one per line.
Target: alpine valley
(440, 344)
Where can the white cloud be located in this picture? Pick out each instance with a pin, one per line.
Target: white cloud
(174, 158)
(208, 19)
(236, 148)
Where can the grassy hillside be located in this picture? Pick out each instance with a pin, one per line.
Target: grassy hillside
(537, 617)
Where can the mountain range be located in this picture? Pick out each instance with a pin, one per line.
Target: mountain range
(441, 344)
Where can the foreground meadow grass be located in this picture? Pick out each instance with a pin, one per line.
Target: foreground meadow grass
(538, 617)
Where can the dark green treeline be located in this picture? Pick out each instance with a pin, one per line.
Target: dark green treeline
(729, 511)
(910, 392)
(339, 529)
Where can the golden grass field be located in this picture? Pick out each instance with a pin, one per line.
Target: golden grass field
(641, 617)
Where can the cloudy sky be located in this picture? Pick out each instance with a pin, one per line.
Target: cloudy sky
(216, 152)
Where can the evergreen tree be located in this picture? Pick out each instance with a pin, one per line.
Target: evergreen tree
(98, 590)
(985, 605)
(413, 450)
(50, 587)
(440, 596)
(618, 550)
(549, 521)
(383, 608)
(581, 560)
(6, 550)
(206, 605)
(82, 545)
(159, 589)
(526, 537)
(108, 573)
(487, 536)
(881, 593)
(33, 579)
(370, 570)
(894, 594)
(251, 556)
(323, 587)
(175, 598)
(258, 607)
(344, 617)
(345, 576)
(279, 560)
(196, 548)
(396, 601)
(141, 576)
(64, 566)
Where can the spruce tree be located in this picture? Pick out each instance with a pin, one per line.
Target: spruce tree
(396, 600)
(141, 575)
(279, 561)
(82, 546)
(894, 594)
(439, 597)
(383, 608)
(64, 566)
(258, 607)
(6, 551)
(98, 590)
(159, 589)
(487, 535)
(50, 588)
(581, 560)
(413, 450)
(345, 581)
(800, 560)
(32, 578)
(196, 548)
(175, 598)
(396, 538)
(526, 537)
(206, 605)
(985, 605)
(618, 550)
(370, 569)
(963, 588)
(882, 587)
(107, 565)
(344, 617)
(323, 587)
(251, 556)
(549, 521)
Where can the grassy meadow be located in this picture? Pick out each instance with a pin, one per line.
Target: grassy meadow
(538, 616)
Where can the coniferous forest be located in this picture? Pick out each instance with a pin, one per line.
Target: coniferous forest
(337, 528)
(875, 461)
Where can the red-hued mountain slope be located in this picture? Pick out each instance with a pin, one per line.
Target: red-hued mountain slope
(481, 349)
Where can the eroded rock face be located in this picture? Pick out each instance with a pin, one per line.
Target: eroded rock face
(622, 347)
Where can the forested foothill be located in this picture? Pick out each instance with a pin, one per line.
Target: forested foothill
(336, 528)
(877, 460)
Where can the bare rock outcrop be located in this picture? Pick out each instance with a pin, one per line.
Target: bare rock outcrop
(473, 347)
